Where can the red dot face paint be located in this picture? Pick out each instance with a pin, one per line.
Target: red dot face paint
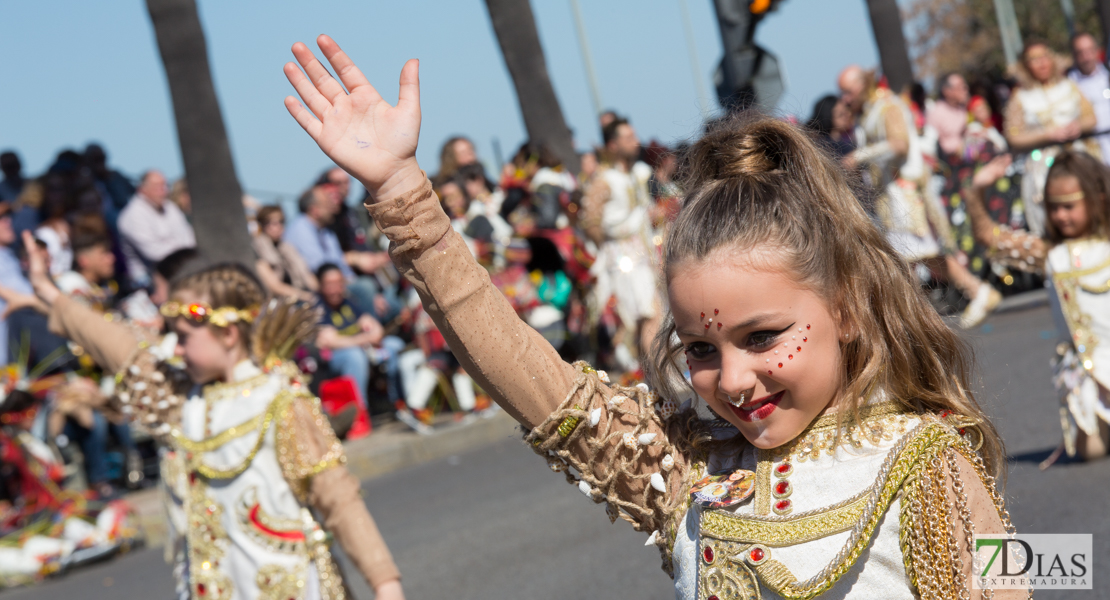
(770, 372)
(808, 326)
(780, 365)
(715, 311)
(703, 315)
(718, 326)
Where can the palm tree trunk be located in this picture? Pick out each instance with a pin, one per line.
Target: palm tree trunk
(886, 22)
(515, 27)
(218, 217)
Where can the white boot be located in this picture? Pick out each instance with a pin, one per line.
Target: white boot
(464, 391)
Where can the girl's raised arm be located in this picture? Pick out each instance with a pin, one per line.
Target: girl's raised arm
(616, 442)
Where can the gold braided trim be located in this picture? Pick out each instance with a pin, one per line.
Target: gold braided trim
(1066, 198)
(1073, 273)
(782, 532)
(928, 439)
(882, 409)
(231, 433)
(197, 449)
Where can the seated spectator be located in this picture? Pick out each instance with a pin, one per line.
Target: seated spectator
(346, 331)
(318, 245)
(280, 267)
(11, 275)
(94, 266)
(152, 228)
(54, 230)
(12, 184)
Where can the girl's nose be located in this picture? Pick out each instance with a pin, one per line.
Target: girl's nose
(738, 372)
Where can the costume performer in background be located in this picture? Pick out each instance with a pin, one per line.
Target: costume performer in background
(617, 216)
(790, 492)
(248, 455)
(915, 222)
(1074, 255)
(1045, 115)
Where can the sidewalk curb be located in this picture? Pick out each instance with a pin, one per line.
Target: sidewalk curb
(390, 448)
(1023, 301)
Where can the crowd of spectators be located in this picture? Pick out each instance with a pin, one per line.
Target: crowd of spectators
(574, 253)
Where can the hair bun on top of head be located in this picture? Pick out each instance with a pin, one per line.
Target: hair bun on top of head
(749, 145)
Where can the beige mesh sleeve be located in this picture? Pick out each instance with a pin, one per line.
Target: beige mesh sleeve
(525, 375)
(312, 460)
(110, 344)
(1019, 250)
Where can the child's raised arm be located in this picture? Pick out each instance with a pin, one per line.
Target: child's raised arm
(619, 446)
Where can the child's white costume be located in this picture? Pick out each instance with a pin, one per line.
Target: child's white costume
(244, 465)
(795, 521)
(1079, 275)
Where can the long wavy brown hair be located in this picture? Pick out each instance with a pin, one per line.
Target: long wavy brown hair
(757, 182)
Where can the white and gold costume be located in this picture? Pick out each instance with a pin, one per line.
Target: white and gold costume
(915, 222)
(1079, 275)
(1037, 107)
(620, 204)
(255, 487)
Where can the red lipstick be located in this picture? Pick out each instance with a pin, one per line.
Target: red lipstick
(757, 410)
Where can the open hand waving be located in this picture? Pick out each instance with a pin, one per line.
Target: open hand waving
(366, 136)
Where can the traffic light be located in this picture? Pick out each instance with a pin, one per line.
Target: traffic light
(747, 75)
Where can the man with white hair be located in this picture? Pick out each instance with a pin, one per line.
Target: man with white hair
(152, 228)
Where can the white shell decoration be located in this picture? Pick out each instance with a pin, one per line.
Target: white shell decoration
(615, 400)
(134, 369)
(157, 377)
(146, 401)
(585, 488)
(667, 463)
(651, 538)
(643, 386)
(603, 376)
(595, 417)
(658, 483)
(139, 386)
(163, 405)
(629, 440)
(667, 408)
(646, 439)
(612, 512)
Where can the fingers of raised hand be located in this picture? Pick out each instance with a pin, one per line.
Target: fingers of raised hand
(312, 97)
(324, 82)
(344, 67)
(409, 96)
(311, 126)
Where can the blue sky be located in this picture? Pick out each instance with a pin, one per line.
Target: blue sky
(82, 71)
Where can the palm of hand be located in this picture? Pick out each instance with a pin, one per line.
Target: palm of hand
(363, 134)
(356, 127)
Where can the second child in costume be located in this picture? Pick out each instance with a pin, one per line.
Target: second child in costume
(254, 477)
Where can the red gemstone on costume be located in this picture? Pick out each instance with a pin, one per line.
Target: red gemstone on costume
(707, 554)
(783, 468)
(780, 365)
(714, 597)
(782, 487)
(756, 554)
(782, 505)
(201, 590)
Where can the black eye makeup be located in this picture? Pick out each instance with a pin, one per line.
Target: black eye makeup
(764, 340)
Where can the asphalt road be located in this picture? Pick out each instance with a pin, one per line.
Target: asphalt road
(495, 523)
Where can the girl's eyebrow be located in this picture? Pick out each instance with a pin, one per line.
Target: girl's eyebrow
(755, 320)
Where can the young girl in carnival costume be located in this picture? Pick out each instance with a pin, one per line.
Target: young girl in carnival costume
(1074, 255)
(254, 475)
(844, 455)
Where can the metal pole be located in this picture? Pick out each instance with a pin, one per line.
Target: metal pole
(1008, 27)
(587, 58)
(695, 65)
(1069, 16)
